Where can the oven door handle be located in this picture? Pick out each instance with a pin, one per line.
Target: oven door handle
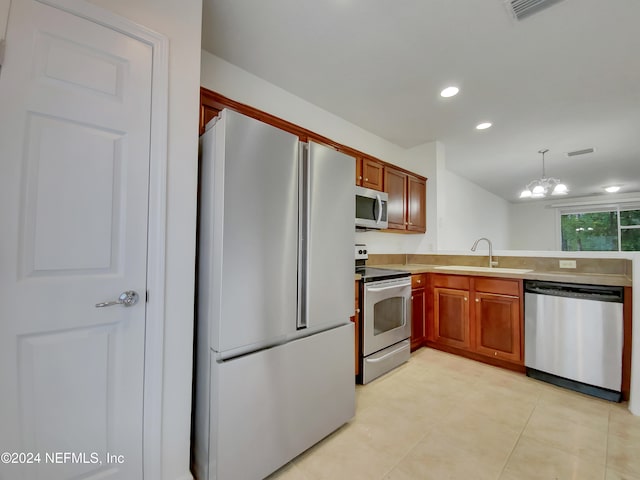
(382, 289)
(376, 360)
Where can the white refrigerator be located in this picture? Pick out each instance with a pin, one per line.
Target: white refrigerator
(274, 342)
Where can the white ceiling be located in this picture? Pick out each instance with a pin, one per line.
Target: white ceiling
(565, 78)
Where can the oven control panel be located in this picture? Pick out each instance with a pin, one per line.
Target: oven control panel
(361, 251)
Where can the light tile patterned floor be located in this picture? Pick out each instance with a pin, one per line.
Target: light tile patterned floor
(443, 417)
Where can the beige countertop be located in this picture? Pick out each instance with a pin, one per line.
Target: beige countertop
(569, 277)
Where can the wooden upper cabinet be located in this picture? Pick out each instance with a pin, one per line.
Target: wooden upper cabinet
(416, 204)
(395, 182)
(206, 114)
(371, 174)
(407, 207)
(359, 171)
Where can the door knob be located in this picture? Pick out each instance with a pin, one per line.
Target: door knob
(128, 299)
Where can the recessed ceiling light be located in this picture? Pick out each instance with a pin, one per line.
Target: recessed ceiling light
(449, 92)
(612, 188)
(483, 126)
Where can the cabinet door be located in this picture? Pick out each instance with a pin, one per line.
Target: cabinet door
(451, 317)
(417, 318)
(372, 172)
(395, 183)
(498, 326)
(359, 171)
(416, 204)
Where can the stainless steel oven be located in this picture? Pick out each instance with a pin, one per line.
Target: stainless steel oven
(386, 320)
(386, 308)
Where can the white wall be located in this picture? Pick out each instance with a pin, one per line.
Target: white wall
(634, 400)
(242, 86)
(467, 212)
(4, 16)
(533, 224)
(181, 23)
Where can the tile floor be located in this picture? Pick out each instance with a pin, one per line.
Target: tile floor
(441, 417)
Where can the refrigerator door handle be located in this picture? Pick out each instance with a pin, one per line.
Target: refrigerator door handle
(304, 199)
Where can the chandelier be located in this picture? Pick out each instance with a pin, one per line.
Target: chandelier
(543, 186)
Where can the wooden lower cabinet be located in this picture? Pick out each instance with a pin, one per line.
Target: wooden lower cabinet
(478, 317)
(497, 326)
(451, 317)
(356, 320)
(418, 311)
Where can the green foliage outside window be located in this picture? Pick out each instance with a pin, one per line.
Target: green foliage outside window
(598, 231)
(630, 217)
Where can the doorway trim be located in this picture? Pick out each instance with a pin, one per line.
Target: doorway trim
(156, 228)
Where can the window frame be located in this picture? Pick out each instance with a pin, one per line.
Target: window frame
(597, 208)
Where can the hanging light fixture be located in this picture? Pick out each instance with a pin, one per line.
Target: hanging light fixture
(543, 186)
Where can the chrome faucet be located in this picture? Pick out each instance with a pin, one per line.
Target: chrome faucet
(475, 245)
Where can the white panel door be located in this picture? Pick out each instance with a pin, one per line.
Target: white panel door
(74, 173)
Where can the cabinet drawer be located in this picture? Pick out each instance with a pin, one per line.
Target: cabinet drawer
(497, 285)
(418, 281)
(460, 282)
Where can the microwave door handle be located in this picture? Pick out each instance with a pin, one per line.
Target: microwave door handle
(379, 201)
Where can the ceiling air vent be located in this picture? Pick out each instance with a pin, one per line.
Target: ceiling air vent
(584, 151)
(523, 8)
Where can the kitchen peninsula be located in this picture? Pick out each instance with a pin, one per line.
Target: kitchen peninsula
(462, 306)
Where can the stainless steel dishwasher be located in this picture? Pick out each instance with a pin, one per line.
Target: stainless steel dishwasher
(574, 335)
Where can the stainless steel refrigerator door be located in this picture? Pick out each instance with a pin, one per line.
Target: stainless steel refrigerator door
(576, 339)
(269, 406)
(330, 236)
(249, 232)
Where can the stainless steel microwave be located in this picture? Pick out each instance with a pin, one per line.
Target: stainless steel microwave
(371, 209)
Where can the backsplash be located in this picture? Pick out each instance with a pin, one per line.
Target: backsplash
(601, 266)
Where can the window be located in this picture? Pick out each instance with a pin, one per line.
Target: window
(607, 228)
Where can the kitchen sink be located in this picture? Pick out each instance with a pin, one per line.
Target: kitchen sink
(469, 268)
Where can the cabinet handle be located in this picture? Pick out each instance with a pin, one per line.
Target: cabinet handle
(406, 223)
(465, 299)
(495, 353)
(360, 177)
(357, 310)
(477, 300)
(411, 297)
(366, 179)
